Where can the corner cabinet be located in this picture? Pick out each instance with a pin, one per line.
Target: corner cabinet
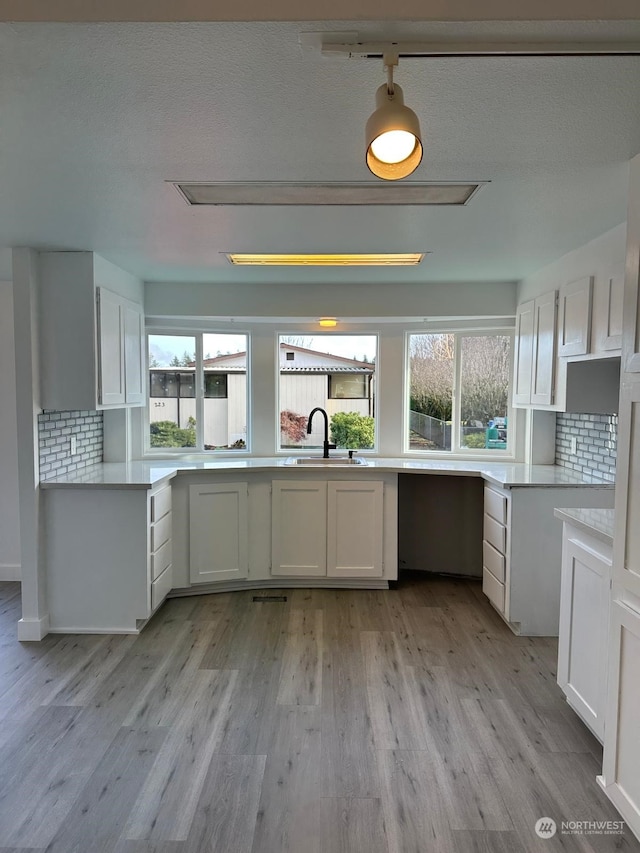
(108, 556)
(556, 365)
(522, 544)
(92, 345)
(327, 528)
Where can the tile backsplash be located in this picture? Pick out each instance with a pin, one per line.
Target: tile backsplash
(596, 444)
(54, 433)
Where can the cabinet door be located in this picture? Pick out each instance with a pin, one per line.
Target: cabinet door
(354, 529)
(582, 644)
(631, 304)
(621, 779)
(606, 329)
(134, 384)
(111, 349)
(218, 532)
(523, 356)
(574, 322)
(544, 349)
(626, 573)
(299, 528)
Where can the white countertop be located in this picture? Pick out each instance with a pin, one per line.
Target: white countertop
(596, 522)
(147, 474)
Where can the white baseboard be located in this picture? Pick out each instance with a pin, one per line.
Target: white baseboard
(10, 572)
(280, 583)
(33, 630)
(71, 629)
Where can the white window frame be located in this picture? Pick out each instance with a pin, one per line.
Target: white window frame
(198, 334)
(353, 333)
(457, 450)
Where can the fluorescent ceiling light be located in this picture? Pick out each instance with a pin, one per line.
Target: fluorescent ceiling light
(332, 260)
(278, 193)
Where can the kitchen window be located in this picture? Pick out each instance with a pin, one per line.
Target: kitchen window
(459, 389)
(197, 391)
(336, 373)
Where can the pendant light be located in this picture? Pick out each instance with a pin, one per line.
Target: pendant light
(394, 146)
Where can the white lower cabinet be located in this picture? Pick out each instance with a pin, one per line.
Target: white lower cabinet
(109, 557)
(160, 545)
(584, 622)
(218, 532)
(620, 777)
(495, 538)
(328, 528)
(299, 528)
(521, 552)
(354, 529)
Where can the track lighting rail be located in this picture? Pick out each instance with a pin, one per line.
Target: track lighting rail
(431, 50)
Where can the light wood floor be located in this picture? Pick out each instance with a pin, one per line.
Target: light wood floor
(407, 721)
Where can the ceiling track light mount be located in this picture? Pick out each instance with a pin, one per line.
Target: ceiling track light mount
(394, 144)
(435, 50)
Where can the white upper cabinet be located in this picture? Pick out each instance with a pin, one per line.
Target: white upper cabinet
(134, 363)
(556, 365)
(606, 329)
(111, 383)
(523, 354)
(120, 347)
(574, 317)
(92, 342)
(535, 351)
(544, 339)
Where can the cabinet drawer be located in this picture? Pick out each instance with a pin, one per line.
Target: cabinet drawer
(161, 559)
(495, 505)
(493, 560)
(160, 532)
(160, 503)
(495, 533)
(493, 589)
(160, 587)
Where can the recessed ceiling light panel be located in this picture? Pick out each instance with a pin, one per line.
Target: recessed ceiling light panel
(301, 194)
(325, 260)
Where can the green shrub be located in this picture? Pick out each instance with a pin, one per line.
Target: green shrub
(351, 430)
(474, 439)
(169, 434)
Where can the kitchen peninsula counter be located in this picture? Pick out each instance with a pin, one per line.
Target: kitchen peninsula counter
(150, 474)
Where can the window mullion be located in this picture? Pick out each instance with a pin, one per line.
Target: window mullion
(455, 407)
(199, 382)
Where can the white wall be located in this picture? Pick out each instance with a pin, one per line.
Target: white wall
(9, 512)
(113, 278)
(602, 258)
(449, 299)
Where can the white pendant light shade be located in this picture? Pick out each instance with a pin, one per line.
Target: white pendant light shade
(394, 147)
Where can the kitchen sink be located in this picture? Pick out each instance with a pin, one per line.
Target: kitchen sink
(319, 460)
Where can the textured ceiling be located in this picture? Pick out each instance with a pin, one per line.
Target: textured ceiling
(96, 118)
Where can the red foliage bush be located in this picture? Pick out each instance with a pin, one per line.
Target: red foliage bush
(293, 426)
